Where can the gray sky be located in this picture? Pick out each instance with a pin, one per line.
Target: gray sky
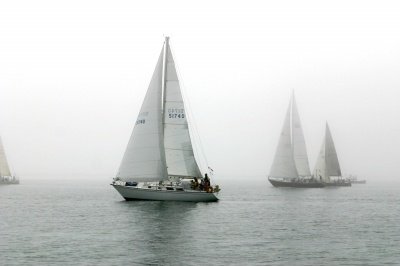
(73, 75)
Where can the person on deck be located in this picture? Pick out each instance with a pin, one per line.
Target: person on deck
(207, 180)
(202, 184)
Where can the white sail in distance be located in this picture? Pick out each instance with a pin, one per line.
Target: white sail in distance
(179, 155)
(327, 164)
(4, 168)
(144, 158)
(284, 165)
(320, 172)
(332, 161)
(299, 143)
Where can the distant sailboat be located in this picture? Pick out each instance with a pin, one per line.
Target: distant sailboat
(327, 168)
(354, 180)
(290, 167)
(159, 163)
(5, 174)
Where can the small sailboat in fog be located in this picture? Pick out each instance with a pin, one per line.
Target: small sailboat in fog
(354, 180)
(6, 177)
(290, 167)
(327, 168)
(159, 162)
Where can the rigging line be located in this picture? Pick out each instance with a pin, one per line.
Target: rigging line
(193, 120)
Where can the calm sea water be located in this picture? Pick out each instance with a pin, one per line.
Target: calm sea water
(83, 223)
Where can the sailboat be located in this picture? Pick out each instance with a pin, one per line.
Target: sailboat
(5, 174)
(290, 167)
(354, 180)
(159, 162)
(327, 168)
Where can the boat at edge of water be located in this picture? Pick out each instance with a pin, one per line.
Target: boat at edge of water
(6, 177)
(358, 181)
(354, 180)
(159, 162)
(327, 167)
(338, 183)
(295, 183)
(290, 167)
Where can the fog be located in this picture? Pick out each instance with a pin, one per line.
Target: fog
(73, 75)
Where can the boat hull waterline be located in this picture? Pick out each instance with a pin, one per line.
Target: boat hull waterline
(9, 183)
(359, 182)
(9, 180)
(294, 184)
(134, 193)
(337, 184)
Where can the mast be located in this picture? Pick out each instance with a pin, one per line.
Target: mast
(164, 97)
(164, 80)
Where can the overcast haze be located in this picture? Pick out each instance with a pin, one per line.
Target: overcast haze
(73, 75)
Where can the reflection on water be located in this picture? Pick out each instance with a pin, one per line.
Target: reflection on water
(157, 228)
(70, 223)
(161, 232)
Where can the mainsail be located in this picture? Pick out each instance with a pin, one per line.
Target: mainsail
(143, 159)
(160, 144)
(4, 168)
(299, 143)
(284, 164)
(291, 155)
(327, 163)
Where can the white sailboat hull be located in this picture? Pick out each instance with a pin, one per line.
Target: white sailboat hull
(8, 180)
(135, 193)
